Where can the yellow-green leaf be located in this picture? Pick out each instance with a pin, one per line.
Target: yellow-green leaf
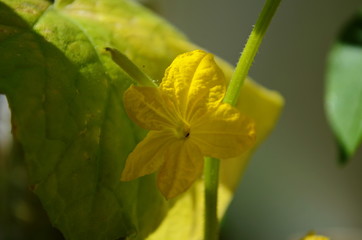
(65, 94)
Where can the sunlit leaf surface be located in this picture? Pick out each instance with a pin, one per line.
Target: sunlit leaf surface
(65, 95)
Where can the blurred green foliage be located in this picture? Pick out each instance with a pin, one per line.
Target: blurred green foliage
(21, 213)
(343, 98)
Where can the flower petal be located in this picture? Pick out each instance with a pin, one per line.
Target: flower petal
(194, 81)
(312, 236)
(223, 132)
(148, 155)
(147, 107)
(183, 165)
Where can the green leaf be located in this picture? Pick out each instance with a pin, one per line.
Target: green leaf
(344, 88)
(65, 94)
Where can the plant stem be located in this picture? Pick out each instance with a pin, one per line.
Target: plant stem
(251, 48)
(211, 171)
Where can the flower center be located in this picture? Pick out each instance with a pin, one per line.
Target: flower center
(183, 131)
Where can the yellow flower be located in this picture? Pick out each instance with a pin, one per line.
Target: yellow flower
(188, 121)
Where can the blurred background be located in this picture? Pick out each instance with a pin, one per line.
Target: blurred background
(293, 183)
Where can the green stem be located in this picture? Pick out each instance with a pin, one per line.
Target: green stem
(211, 171)
(251, 48)
(211, 174)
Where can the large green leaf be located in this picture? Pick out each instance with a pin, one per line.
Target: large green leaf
(65, 94)
(344, 88)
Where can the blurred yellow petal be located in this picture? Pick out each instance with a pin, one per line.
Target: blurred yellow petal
(148, 155)
(147, 107)
(312, 236)
(223, 132)
(194, 82)
(183, 165)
